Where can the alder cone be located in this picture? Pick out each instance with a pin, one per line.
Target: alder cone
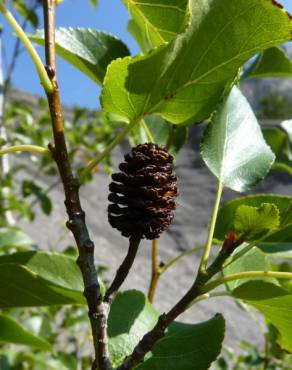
(143, 194)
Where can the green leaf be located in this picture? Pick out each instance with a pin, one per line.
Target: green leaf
(138, 35)
(39, 279)
(252, 223)
(253, 260)
(287, 127)
(31, 188)
(185, 79)
(173, 350)
(159, 20)
(26, 12)
(273, 62)
(279, 243)
(233, 146)
(54, 267)
(274, 303)
(12, 237)
(12, 332)
(15, 359)
(20, 287)
(279, 142)
(225, 219)
(163, 133)
(188, 347)
(138, 318)
(89, 50)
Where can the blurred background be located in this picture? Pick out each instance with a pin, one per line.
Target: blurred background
(31, 191)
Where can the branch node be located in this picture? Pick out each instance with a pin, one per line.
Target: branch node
(50, 71)
(51, 147)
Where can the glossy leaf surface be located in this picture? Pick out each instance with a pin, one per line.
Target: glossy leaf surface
(89, 50)
(233, 146)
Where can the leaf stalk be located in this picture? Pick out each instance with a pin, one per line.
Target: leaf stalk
(118, 139)
(245, 275)
(155, 273)
(45, 80)
(25, 148)
(205, 257)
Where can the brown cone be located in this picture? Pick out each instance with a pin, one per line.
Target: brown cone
(143, 194)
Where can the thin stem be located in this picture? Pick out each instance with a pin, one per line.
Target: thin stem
(118, 139)
(205, 257)
(155, 274)
(205, 296)
(46, 82)
(244, 275)
(148, 132)
(16, 51)
(124, 269)
(172, 261)
(26, 148)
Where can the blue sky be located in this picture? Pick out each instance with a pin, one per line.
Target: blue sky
(76, 89)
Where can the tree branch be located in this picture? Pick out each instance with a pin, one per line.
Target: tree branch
(149, 339)
(76, 222)
(124, 269)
